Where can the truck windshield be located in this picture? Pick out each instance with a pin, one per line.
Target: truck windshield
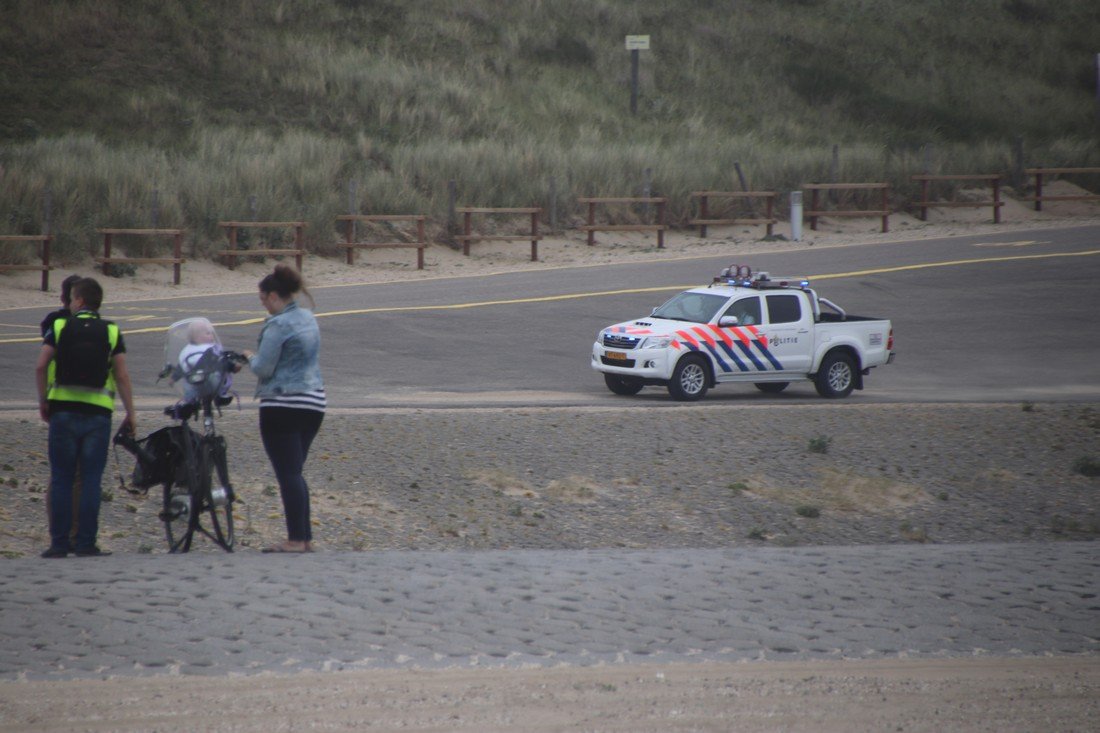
(691, 306)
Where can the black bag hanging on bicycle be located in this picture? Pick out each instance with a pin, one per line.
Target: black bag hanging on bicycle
(156, 456)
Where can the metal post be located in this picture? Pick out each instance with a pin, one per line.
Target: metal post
(452, 197)
(353, 207)
(796, 216)
(553, 204)
(634, 81)
(47, 211)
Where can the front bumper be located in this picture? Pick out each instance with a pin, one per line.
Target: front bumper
(642, 363)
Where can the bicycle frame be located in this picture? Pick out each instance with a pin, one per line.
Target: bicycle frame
(199, 480)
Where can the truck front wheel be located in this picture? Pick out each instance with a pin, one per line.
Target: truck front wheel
(690, 379)
(623, 385)
(837, 375)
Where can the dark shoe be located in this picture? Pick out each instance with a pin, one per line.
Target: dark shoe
(55, 552)
(92, 551)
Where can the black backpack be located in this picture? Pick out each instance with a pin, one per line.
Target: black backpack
(83, 353)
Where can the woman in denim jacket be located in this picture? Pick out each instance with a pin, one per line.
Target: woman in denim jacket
(292, 396)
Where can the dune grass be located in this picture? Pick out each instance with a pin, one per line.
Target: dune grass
(119, 113)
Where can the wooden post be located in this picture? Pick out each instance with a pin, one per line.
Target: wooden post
(534, 236)
(885, 209)
(1038, 190)
(177, 250)
(661, 221)
(703, 214)
(46, 263)
(107, 253)
(299, 244)
(770, 210)
(467, 228)
(814, 208)
(420, 241)
(591, 223)
(996, 200)
(231, 232)
(924, 199)
(350, 238)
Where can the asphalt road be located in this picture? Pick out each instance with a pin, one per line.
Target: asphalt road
(1008, 317)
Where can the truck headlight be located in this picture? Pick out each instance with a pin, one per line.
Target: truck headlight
(656, 342)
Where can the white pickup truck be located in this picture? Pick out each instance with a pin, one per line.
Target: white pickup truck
(743, 328)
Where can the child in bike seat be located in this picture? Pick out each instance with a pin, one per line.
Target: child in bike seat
(199, 368)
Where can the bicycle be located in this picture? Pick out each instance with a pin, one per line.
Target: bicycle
(183, 461)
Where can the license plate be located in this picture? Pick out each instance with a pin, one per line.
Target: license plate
(616, 356)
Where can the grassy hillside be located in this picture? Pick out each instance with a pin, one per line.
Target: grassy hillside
(279, 109)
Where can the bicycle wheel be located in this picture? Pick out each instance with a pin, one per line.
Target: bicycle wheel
(178, 517)
(218, 494)
(178, 509)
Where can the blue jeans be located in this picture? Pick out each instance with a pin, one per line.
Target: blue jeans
(76, 442)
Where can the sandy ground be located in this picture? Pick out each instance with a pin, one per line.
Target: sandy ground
(988, 694)
(995, 695)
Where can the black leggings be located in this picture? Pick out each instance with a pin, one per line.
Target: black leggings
(287, 433)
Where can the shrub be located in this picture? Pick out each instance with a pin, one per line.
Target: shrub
(1087, 466)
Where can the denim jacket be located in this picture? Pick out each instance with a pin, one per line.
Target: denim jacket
(286, 360)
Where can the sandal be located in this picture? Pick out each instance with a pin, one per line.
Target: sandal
(288, 546)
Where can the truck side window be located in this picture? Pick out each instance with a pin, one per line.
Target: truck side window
(747, 311)
(784, 309)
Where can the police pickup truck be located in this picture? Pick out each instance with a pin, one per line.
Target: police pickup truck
(769, 331)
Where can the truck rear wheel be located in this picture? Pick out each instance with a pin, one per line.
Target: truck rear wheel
(690, 379)
(623, 385)
(837, 376)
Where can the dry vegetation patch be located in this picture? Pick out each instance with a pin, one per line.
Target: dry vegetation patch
(842, 491)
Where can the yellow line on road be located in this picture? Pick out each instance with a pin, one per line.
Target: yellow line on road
(954, 263)
(602, 293)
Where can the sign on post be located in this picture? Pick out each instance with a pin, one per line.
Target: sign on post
(634, 44)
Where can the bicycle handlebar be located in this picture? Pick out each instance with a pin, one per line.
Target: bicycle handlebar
(235, 357)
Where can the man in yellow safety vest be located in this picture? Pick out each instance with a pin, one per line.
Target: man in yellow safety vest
(80, 369)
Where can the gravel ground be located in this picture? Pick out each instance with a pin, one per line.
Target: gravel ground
(691, 476)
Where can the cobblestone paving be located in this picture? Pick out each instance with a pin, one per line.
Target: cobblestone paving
(247, 613)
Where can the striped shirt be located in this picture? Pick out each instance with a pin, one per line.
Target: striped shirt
(314, 400)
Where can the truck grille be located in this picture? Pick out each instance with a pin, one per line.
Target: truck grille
(615, 341)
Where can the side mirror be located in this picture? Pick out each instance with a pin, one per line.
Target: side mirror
(729, 321)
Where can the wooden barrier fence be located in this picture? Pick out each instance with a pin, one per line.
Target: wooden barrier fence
(591, 227)
(1039, 198)
(468, 236)
(231, 254)
(43, 242)
(351, 245)
(705, 219)
(926, 203)
(176, 260)
(816, 211)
